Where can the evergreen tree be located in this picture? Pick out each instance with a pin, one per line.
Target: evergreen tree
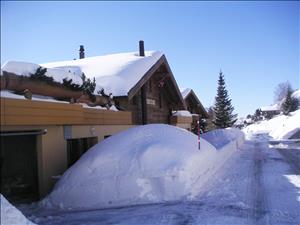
(257, 115)
(223, 110)
(88, 85)
(290, 104)
(40, 75)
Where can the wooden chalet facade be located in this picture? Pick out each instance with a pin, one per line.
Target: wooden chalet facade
(154, 97)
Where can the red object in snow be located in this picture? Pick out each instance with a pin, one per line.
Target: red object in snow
(198, 134)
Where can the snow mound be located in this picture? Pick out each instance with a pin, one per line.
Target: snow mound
(10, 215)
(221, 137)
(288, 126)
(116, 73)
(280, 127)
(145, 164)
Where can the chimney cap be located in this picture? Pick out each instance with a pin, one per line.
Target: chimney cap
(141, 48)
(81, 52)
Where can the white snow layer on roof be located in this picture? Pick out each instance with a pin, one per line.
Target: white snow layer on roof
(185, 92)
(280, 127)
(296, 94)
(184, 113)
(116, 73)
(8, 94)
(145, 164)
(10, 215)
(58, 74)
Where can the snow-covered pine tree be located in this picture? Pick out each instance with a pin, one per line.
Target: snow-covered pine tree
(223, 110)
(290, 104)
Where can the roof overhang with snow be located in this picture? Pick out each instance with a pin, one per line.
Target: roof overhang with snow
(162, 68)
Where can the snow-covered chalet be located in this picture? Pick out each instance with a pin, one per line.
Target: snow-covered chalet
(48, 120)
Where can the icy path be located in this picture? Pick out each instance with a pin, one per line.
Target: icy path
(258, 185)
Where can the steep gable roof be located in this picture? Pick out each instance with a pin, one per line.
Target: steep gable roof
(188, 92)
(116, 73)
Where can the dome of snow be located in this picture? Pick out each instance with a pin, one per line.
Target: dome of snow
(144, 164)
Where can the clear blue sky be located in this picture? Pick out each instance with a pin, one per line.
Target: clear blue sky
(256, 44)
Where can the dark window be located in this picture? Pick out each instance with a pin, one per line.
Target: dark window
(19, 171)
(160, 100)
(77, 147)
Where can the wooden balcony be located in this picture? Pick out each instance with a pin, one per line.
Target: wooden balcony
(31, 112)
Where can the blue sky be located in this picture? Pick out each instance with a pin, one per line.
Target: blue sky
(256, 44)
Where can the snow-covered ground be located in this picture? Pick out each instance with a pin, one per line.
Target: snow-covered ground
(230, 181)
(10, 215)
(280, 127)
(256, 185)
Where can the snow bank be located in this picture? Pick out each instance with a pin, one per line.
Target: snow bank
(288, 126)
(221, 137)
(145, 164)
(182, 113)
(280, 127)
(10, 215)
(58, 74)
(116, 73)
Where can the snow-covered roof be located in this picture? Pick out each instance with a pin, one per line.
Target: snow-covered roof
(185, 92)
(116, 73)
(184, 113)
(296, 94)
(274, 107)
(58, 74)
(41, 98)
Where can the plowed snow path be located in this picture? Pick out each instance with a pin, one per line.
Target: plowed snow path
(257, 185)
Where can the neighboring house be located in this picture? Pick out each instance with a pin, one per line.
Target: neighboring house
(270, 111)
(194, 106)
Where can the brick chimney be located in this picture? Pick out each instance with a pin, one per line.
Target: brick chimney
(142, 49)
(81, 52)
